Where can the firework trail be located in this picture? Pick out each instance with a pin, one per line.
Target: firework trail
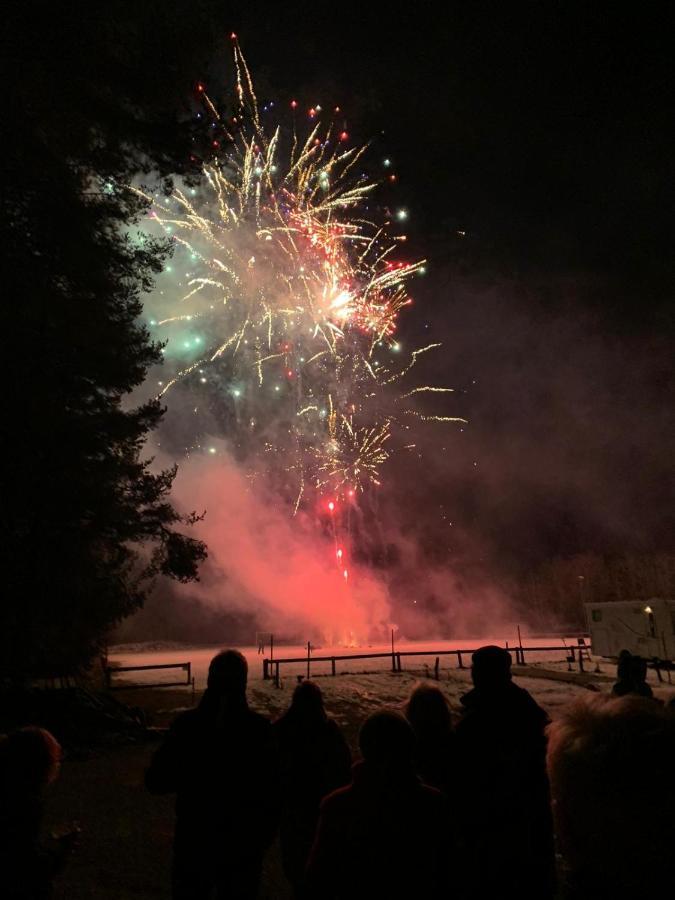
(289, 306)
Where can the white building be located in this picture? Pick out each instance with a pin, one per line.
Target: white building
(645, 628)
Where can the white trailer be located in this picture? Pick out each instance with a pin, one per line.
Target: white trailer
(646, 628)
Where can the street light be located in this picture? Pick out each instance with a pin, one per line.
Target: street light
(581, 579)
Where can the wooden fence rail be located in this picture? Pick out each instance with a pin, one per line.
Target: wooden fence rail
(114, 670)
(575, 653)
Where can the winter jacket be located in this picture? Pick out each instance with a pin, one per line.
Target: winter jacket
(314, 760)
(502, 791)
(221, 764)
(385, 835)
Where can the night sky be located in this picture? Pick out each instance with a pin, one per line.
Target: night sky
(542, 132)
(539, 129)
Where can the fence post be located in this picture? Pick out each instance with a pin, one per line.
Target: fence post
(266, 674)
(189, 674)
(393, 658)
(437, 666)
(332, 665)
(398, 662)
(309, 649)
(460, 664)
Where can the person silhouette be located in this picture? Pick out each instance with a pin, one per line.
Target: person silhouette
(314, 760)
(220, 761)
(610, 761)
(30, 761)
(502, 786)
(428, 712)
(631, 676)
(386, 834)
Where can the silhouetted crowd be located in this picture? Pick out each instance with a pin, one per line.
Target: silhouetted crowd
(499, 804)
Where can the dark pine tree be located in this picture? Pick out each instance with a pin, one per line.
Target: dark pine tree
(96, 95)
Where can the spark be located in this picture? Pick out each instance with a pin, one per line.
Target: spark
(427, 389)
(290, 280)
(426, 418)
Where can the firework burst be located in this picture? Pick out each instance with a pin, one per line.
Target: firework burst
(291, 295)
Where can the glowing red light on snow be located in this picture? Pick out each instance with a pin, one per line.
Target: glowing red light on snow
(289, 373)
(351, 493)
(200, 87)
(339, 554)
(216, 143)
(294, 104)
(346, 574)
(337, 109)
(312, 113)
(233, 36)
(344, 136)
(331, 506)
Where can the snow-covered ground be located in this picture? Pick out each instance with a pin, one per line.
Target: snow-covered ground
(200, 657)
(364, 685)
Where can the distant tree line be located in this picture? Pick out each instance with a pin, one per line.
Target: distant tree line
(556, 591)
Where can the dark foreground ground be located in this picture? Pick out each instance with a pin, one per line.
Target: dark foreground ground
(125, 847)
(125, 844)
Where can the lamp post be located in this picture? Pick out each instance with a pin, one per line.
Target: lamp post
(581, 580)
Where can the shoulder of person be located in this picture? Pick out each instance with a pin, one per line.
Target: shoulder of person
(333, 728)
(337, 800)
(432, 796)
(261, 722)
(528, 704)
(186, 721)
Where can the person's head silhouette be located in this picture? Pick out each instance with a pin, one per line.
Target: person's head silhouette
(624, 665)
(427, 710)
(307, 702)
(638, 670)
(228, 674)
(387, 742)
(30, 758)
(491, 667)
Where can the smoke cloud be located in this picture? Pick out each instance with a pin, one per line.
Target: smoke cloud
(263, 561)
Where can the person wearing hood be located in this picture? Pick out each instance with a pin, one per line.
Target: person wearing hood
(386, 834)
(220, 761)
(503, 788)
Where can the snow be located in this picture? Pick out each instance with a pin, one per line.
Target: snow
(200, 657)
(364, 685)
